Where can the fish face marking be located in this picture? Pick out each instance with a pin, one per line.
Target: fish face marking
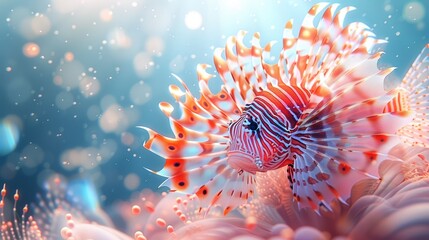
(251, 124)
(258, 139)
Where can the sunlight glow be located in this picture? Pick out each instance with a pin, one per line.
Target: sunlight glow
(193, 20)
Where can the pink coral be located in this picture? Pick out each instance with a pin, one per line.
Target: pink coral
(393, 207)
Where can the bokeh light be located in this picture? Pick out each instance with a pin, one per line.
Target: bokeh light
(69, 56)
(177, 64)
(88, 157)
(64, 100)
(143, 64)
(31, 156)
(414, 11)
(9, 134)
(140, 93)
(132, 181)
(31, 50)
(116, 118)
(119, 39)
(127, 138)
(64, 6)
(106, 15)
(69, 74)
(40, 25)
(193, 20)
(89, 86)
(155, 45)
(93, 112)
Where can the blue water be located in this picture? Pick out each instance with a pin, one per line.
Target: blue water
(103, 66)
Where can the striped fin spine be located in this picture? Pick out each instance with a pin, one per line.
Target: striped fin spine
(195, 158)
(344, 134)
(243, 69)
(415, 97)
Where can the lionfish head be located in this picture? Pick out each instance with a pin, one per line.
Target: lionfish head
(259, 139)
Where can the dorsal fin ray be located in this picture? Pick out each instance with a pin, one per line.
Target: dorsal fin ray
(415, 97)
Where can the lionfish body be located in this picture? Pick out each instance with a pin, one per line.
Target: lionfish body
(321, 111)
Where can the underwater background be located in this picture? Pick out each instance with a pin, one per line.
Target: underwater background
(77, 78)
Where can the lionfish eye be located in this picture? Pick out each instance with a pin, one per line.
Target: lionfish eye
(251, 124)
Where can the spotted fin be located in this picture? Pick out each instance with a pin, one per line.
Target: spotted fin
(234, 190)
(344, 133)
(195, 158)
(316, 58)
(344, 137)
(202, 172)
(327, 167)
(415, 97)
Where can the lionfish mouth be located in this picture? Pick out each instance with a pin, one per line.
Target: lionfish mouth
(242, 161)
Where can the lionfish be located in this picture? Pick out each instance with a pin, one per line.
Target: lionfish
(321, 111)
